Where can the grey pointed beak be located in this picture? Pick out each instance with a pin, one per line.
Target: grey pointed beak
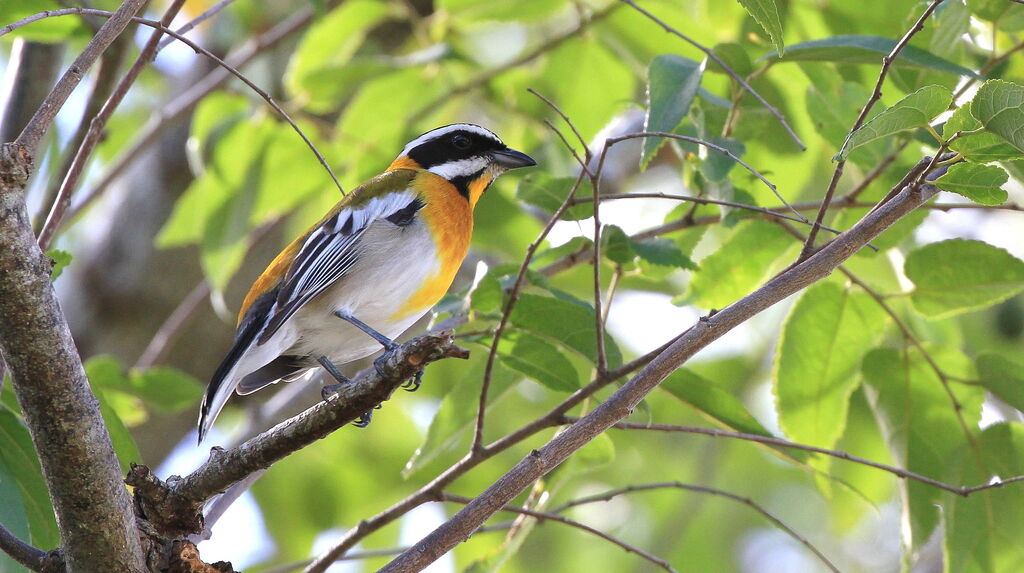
(511, 159)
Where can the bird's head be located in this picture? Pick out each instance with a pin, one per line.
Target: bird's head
(467, 155)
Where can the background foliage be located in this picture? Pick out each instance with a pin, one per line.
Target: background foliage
(911, 356)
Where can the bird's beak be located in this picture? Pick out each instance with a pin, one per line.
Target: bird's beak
(511, 159)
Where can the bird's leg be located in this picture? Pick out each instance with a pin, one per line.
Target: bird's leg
(327, 391)
(389, 347)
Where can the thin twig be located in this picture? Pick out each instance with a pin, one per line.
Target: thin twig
(171, 327)
(206, 15)
(513, 297)
(724, 151)
(963, 491)
(20, 551)
(609, 495)
(45, 114)
(547, 516)
(199, 50)
(92, 137)
(713, 57)
(876, 95)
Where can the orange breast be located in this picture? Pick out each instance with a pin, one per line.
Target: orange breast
(449, 217)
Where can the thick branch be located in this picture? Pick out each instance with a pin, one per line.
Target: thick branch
(622, 402)
(174, 508)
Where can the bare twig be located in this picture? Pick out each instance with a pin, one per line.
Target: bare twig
(191, 24)
(609, 495)
(92, 137)
(172, 326)
(20, 551)
(713, 57)
(876, 95)
(548, 516)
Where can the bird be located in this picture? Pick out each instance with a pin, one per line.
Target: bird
(370, 268)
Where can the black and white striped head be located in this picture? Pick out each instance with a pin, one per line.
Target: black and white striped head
(467, 155)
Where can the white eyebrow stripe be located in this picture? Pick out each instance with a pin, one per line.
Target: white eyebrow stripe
(441, 131)
(452, 169)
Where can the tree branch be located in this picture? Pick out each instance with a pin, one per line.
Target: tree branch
(175, 507)
(623, 400)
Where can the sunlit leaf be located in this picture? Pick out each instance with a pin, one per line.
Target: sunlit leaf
(1003, 377)
(543, 362)
(999, 106)
(738, 266)
(855, 49)
(922, 424)
(61, 259)
(915, 110)
(981, 147)
(766, 13)
(827, 332)
(672, 83)
(564, 322)
(979, 183)
(955, 276)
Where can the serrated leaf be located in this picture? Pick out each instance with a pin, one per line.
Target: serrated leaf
(979, 183)
(999, 106)
(823, 340)
(672, 83)
(956, 276)
(981, 147)
(923, 427)
(563, 322)
(542, 362)
(1003, 377)
(61, 259)
(738, 266)
(859, 49)
(766, 14)
(663, 252)
(915, 110)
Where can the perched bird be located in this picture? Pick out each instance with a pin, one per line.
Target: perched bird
(382, 257)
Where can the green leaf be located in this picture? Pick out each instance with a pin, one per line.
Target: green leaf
(165, 389)
(999, 106)
(712, 400)
(672, 83)
(981, 147)
(19, 457)
(1003, 377)
(12, 515)
(333, 40)
(915, 110)
(617, 247)
(766, 13)
(956, 276)
(61, 259)
(857, 49)
(823, 340)
(51, 30)
(547, 193)
(982, 531)
(543, 362)
(565, 323)
(922, 425)
(472, 11)
(979, 183)
(449, 429)
(662, 252)
(738, 266)
(716, 165)
(584, 61)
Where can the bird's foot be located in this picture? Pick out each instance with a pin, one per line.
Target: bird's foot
(331, 389)
(413, 384)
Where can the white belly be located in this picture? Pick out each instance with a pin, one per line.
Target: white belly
(383, 278)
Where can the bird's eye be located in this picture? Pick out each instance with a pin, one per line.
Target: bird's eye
(461, 142)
